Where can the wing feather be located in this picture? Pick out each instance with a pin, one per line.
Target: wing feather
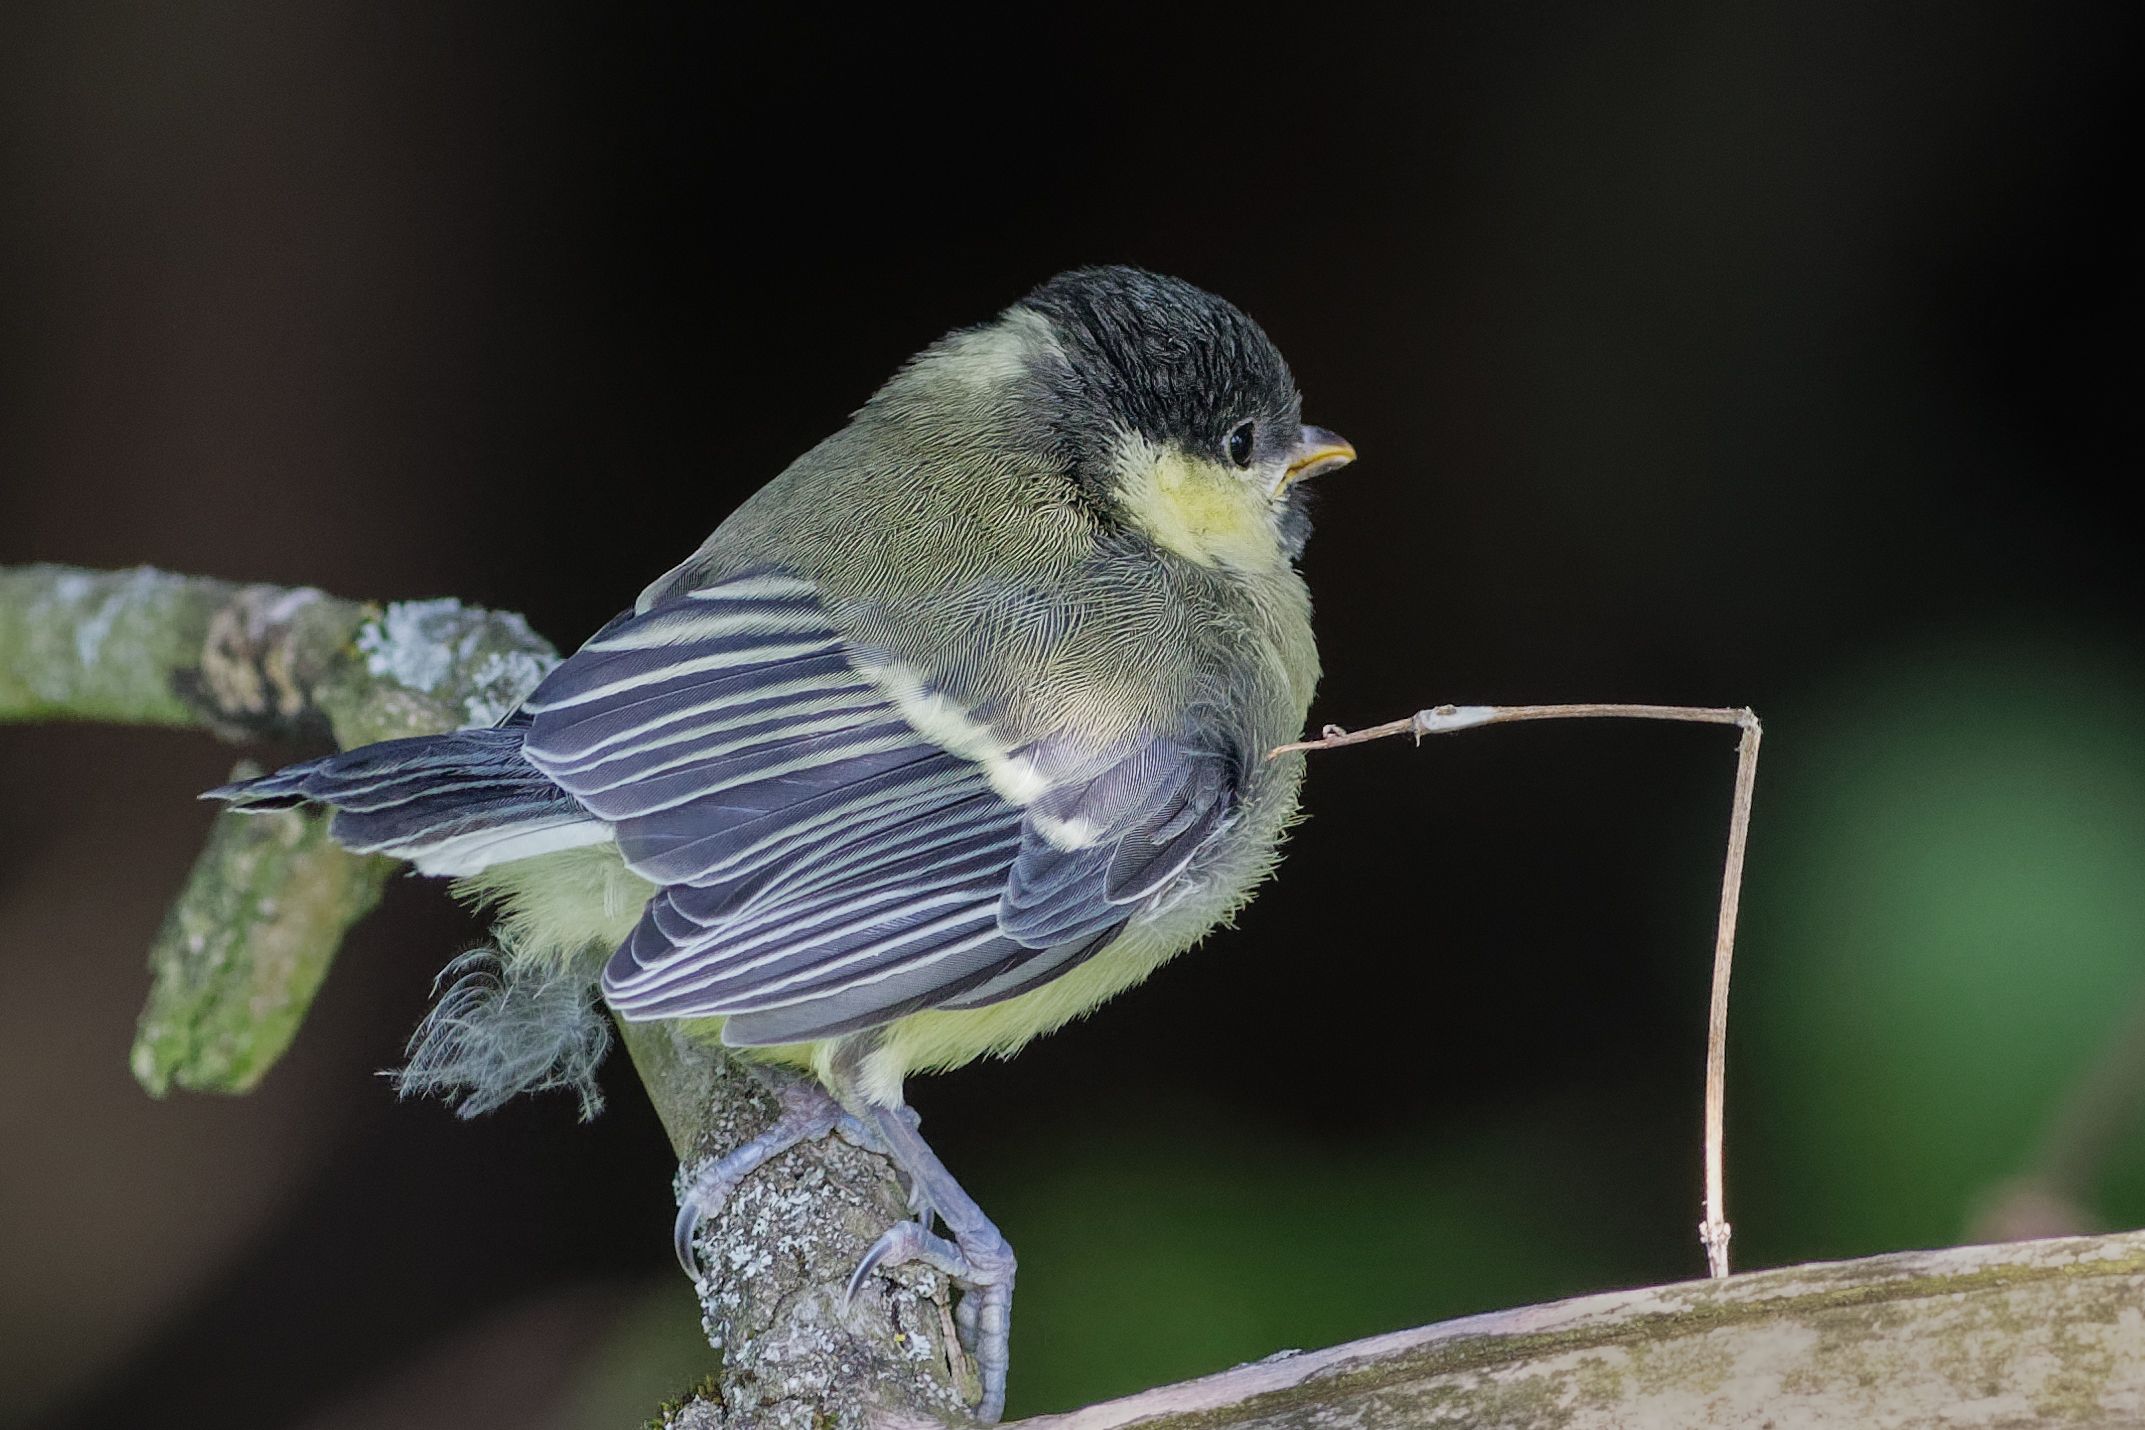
(823, 864)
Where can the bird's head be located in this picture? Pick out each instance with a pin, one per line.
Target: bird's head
(1180, 411)
(1171, 411)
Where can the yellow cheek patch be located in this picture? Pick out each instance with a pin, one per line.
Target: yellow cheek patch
(1199, 509)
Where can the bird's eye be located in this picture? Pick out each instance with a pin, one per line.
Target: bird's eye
(1240, 443)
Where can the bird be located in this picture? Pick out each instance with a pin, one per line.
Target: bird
(955, 729)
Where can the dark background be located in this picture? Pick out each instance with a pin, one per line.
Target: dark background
(1769, 355)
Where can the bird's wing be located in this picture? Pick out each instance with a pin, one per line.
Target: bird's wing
(828, 862)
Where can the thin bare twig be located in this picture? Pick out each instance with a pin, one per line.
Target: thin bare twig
(1714, 1231)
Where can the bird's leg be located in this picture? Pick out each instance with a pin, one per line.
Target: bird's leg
(977, 1258)
(806, 1113)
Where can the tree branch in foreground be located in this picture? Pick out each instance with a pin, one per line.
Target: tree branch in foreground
(270, 898)
(2028, 1334)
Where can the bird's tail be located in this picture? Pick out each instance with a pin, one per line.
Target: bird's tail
(450, 804)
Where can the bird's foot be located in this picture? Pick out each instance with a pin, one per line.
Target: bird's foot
(976, 1257)
(859, 1133)
(984, 1272)
(807, 1113)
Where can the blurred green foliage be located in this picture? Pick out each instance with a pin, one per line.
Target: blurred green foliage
(1947, 928)
(1147, 1260)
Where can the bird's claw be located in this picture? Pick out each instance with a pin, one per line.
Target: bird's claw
(807, 1114)
(982, 1317)
(682, 1234)
(902, 1242)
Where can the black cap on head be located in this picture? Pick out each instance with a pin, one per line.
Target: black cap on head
(1157, 356)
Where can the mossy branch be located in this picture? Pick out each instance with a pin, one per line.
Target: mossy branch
(251, 936)
(2026, 1334)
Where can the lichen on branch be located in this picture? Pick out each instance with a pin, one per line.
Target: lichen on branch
(245, 947)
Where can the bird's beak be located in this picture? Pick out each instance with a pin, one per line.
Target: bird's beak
(1317, 452)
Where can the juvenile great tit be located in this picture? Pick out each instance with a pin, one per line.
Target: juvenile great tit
(955, 729)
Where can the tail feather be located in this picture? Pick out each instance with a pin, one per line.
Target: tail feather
(450, 804)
